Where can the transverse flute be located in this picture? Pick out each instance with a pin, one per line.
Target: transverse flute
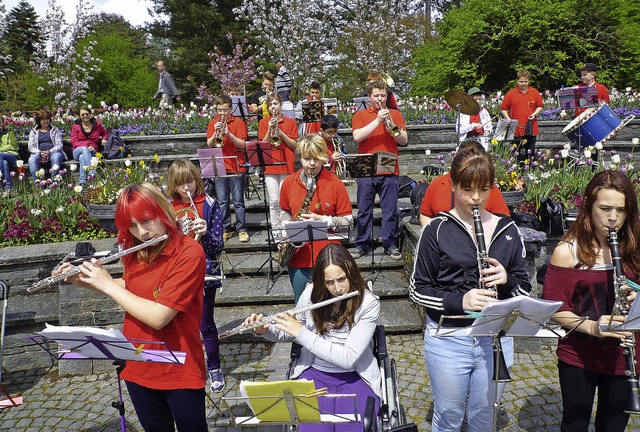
(271, 318)
(111, 258)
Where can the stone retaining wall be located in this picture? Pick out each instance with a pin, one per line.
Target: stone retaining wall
(436, 138)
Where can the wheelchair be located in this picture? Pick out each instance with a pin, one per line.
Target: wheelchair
(391, 416)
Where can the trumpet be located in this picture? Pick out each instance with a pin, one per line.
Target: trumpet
(111, 258)
(271, 319)
(275, 140)
(218, 136)
(393, 129)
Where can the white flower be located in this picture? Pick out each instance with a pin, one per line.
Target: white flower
(635, 141)
(127, 162)
(40, 173)
(94, 161)
(567, 147)
(427, 152)
(89, 106)
(47, 191)
(55, 167)
(20, 164)
(77, 189)
(36, 212)
(60, 209)
(564, 153)
(116, 106)
(599, 145)
(615, 159)
(587, 153)
(73, 167)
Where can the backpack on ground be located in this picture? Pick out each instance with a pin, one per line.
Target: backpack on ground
(551, 217)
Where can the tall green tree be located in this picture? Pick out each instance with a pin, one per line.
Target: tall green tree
(127, 75)
(193, 28)
(485, 42)
(22, 32)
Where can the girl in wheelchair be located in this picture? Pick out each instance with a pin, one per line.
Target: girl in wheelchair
(336, 340)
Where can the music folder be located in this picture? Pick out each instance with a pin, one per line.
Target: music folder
(212, 162)
(505, 129)
(577, 97)
(362, 103)
(239, 106)
(297, 230)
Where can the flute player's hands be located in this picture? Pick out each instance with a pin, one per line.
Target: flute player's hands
(253, 318)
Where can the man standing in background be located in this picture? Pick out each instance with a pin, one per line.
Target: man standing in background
(166, 87)
(283, 80)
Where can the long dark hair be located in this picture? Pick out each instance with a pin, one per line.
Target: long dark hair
(582, 229)
(336, 254)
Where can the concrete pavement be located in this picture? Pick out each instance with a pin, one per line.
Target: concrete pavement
(83, 403)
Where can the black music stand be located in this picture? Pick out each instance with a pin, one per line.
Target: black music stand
(239, 107)
(362, 103)
(306, 231)
(89, 343)
(9, 401)
(261, 154)
(519, 316)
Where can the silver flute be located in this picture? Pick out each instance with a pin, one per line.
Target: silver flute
(271, 319)
(111, 258)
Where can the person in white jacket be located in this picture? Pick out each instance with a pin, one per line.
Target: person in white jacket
(476, 126)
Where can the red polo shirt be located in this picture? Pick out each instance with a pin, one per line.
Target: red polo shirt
(520, 106)
(330, 199)
(380, 139)
(290, 128)
(174, 279)
(603, 96)
(238, 128)
(437, 198)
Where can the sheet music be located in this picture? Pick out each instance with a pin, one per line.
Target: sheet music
(494, 315)
(631, 323)
(75, 339)
(505, 129)
(386, 162)
(262, 398)
(297, 230)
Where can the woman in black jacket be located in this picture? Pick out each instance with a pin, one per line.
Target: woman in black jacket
(447, 281)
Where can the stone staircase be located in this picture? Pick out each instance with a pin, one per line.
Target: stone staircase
(248, 287)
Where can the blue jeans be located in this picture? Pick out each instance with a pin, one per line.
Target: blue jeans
(84, 155)
(6, 162)
(460, 373)
(387, 187)
(226, 187)
(34, 163)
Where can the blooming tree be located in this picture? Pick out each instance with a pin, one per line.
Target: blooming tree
(229, 69)
(67, 68)
(300, 32)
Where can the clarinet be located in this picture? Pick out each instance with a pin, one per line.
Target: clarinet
(500, 372)
(621, 307)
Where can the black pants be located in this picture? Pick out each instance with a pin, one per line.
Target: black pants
(157, 410)
(578, 387)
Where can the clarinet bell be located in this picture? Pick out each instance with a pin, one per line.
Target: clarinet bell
(500, 370)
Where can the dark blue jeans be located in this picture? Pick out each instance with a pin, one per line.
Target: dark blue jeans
(7, 161)
(209, 330)
(387, 187)
(231, 187)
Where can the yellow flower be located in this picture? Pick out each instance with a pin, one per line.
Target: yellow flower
(141, 163)
(494, 142)
(156, 158)
(99, 155)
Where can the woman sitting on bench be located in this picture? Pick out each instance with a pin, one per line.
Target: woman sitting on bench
(45, 145)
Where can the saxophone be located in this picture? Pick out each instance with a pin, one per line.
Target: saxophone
(500, 370)
(622, 306)
(287, 250)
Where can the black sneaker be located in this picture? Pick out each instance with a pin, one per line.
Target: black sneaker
(394, 253)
